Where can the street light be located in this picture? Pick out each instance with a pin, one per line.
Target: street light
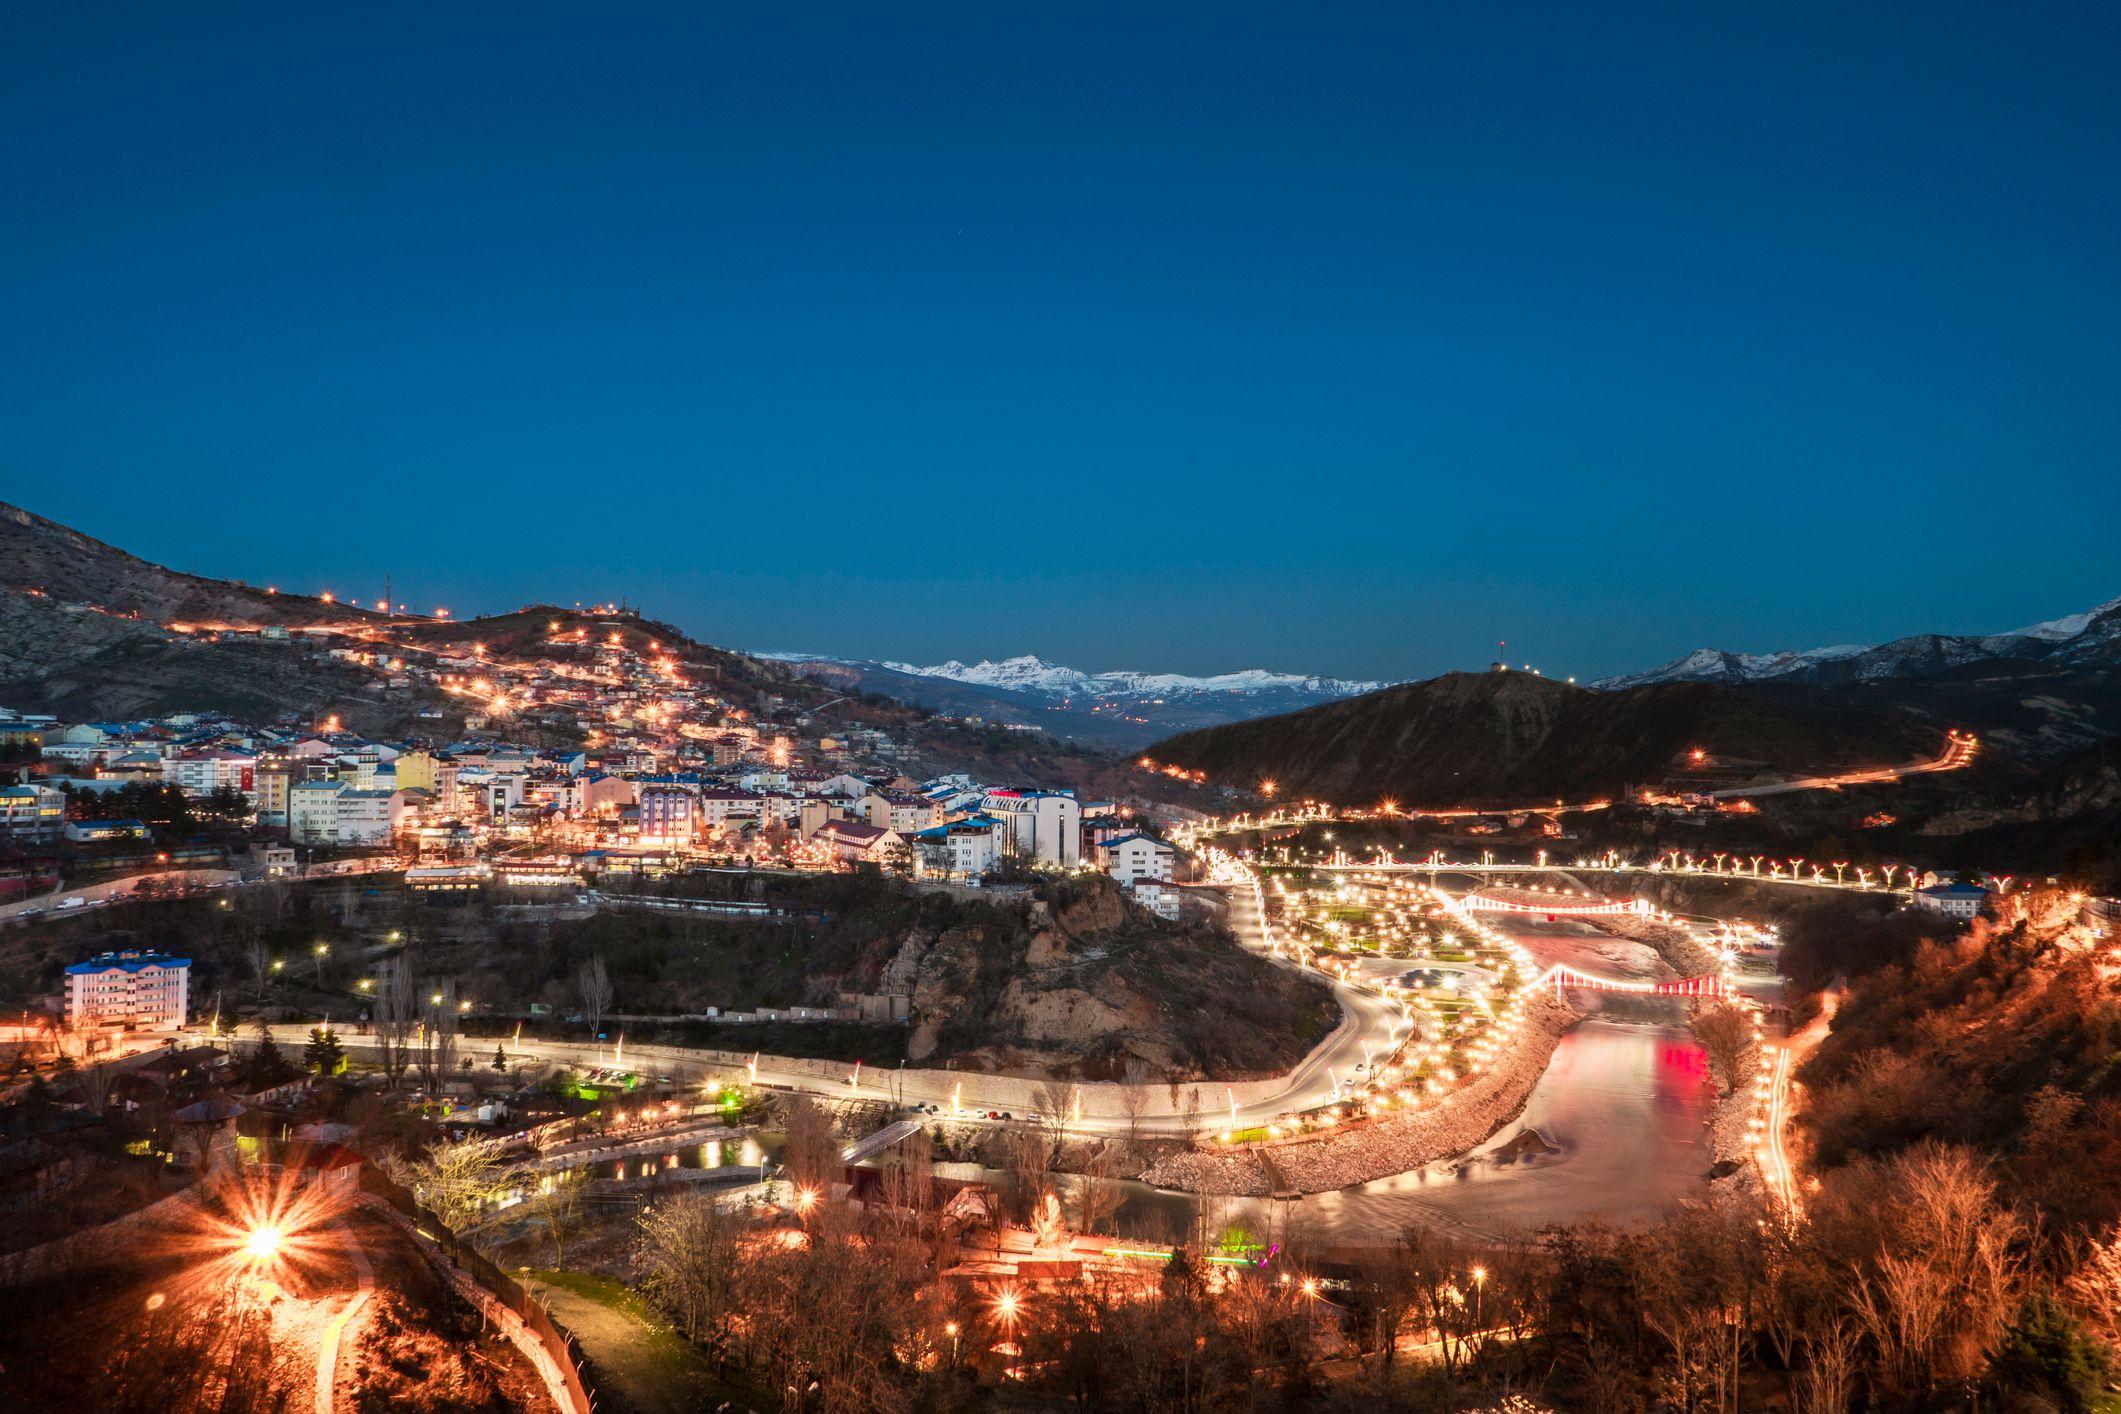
(263, 1243)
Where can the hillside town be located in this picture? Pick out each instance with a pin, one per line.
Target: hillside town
(671, 775)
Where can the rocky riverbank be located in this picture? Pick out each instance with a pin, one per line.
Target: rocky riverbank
(1395, 1145)
(1679, 949)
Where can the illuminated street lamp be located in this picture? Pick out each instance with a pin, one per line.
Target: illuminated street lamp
(263, 1243)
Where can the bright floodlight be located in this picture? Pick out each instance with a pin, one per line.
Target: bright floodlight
(263, 1243)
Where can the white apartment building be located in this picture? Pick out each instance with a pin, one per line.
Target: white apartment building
(1137, 856)
(1157, 896)
(1041, 825)
(962, 849)
(313, 811)
(371, 817)
(201, 773)
(141, 989)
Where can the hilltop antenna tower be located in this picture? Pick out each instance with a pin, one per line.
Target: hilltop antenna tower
(1501, 663)
(386, 591)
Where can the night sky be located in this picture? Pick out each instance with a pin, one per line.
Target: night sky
(1323, 338)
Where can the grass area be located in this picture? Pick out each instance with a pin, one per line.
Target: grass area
(613, 1293)
(651, 1366)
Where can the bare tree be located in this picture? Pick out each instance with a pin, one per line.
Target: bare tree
(1052, 1104)
(397, 1009)
(558, 1207)
(688, 1259)
(1828, 1378)
(456, 1178)
(594, 983)
(811, 1155)
(257, 954)
(1032, 1160)
(1726, 1032)
(436, 1054)
(1097, 1193)
(1134, 1098)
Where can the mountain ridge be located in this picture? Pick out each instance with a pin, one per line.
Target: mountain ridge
(2089, 635)
(1517, 739)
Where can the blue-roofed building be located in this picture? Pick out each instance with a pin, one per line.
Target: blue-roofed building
(146, 991)
(962, 849)
(1961, 901)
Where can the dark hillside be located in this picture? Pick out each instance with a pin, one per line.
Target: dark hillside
(1513, 739)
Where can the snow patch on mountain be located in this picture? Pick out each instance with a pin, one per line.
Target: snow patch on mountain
(1031, 674)
(2070, 638)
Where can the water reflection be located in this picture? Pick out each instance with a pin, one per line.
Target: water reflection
(1623, 1103)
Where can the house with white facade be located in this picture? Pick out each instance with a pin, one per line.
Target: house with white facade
(313, 811)
(148, 990)
(1958, 901)
(962, 849)
(1137, 856)
(1043, 826)
(371, 817)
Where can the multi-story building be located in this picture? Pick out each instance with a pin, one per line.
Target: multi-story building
(1137, 856)
(669, 814)
(962, 849)
(201, 773)
(370, 817)
(31, 813)
(906, 814)
(148, 990)
(313, 811)
(1041, 825)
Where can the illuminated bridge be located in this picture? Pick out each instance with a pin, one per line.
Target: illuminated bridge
(1574, 905)
(1707, 985)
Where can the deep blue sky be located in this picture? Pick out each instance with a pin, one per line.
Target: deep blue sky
(1184, 337)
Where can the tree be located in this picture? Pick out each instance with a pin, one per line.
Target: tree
(810, 1155)
(594, 983)
(456, 1178)
(687, 1258)
(1725, 1031)
(436, 1055)
(397, 1009)
(266, 1065)
(558, 1207)
(500, 1059)
(1133, 1098)
(323, 1053)
(1097, 1194)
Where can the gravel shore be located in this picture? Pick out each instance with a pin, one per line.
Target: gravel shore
(1460, 1121)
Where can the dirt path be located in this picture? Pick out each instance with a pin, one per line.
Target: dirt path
(328, 1351)
(640, 1367)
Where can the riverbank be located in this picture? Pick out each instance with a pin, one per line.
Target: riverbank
(1398, 1144)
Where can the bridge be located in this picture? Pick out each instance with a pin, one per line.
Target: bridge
(1576, 907)
(876, 1143)
(1709, 984)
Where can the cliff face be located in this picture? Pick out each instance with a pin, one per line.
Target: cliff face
(1080, 984)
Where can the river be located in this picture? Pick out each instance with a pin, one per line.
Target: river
(1624, 1102)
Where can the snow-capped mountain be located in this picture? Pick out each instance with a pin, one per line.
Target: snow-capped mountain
(2084, 639)
(1120, 708)
(1033, 674)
